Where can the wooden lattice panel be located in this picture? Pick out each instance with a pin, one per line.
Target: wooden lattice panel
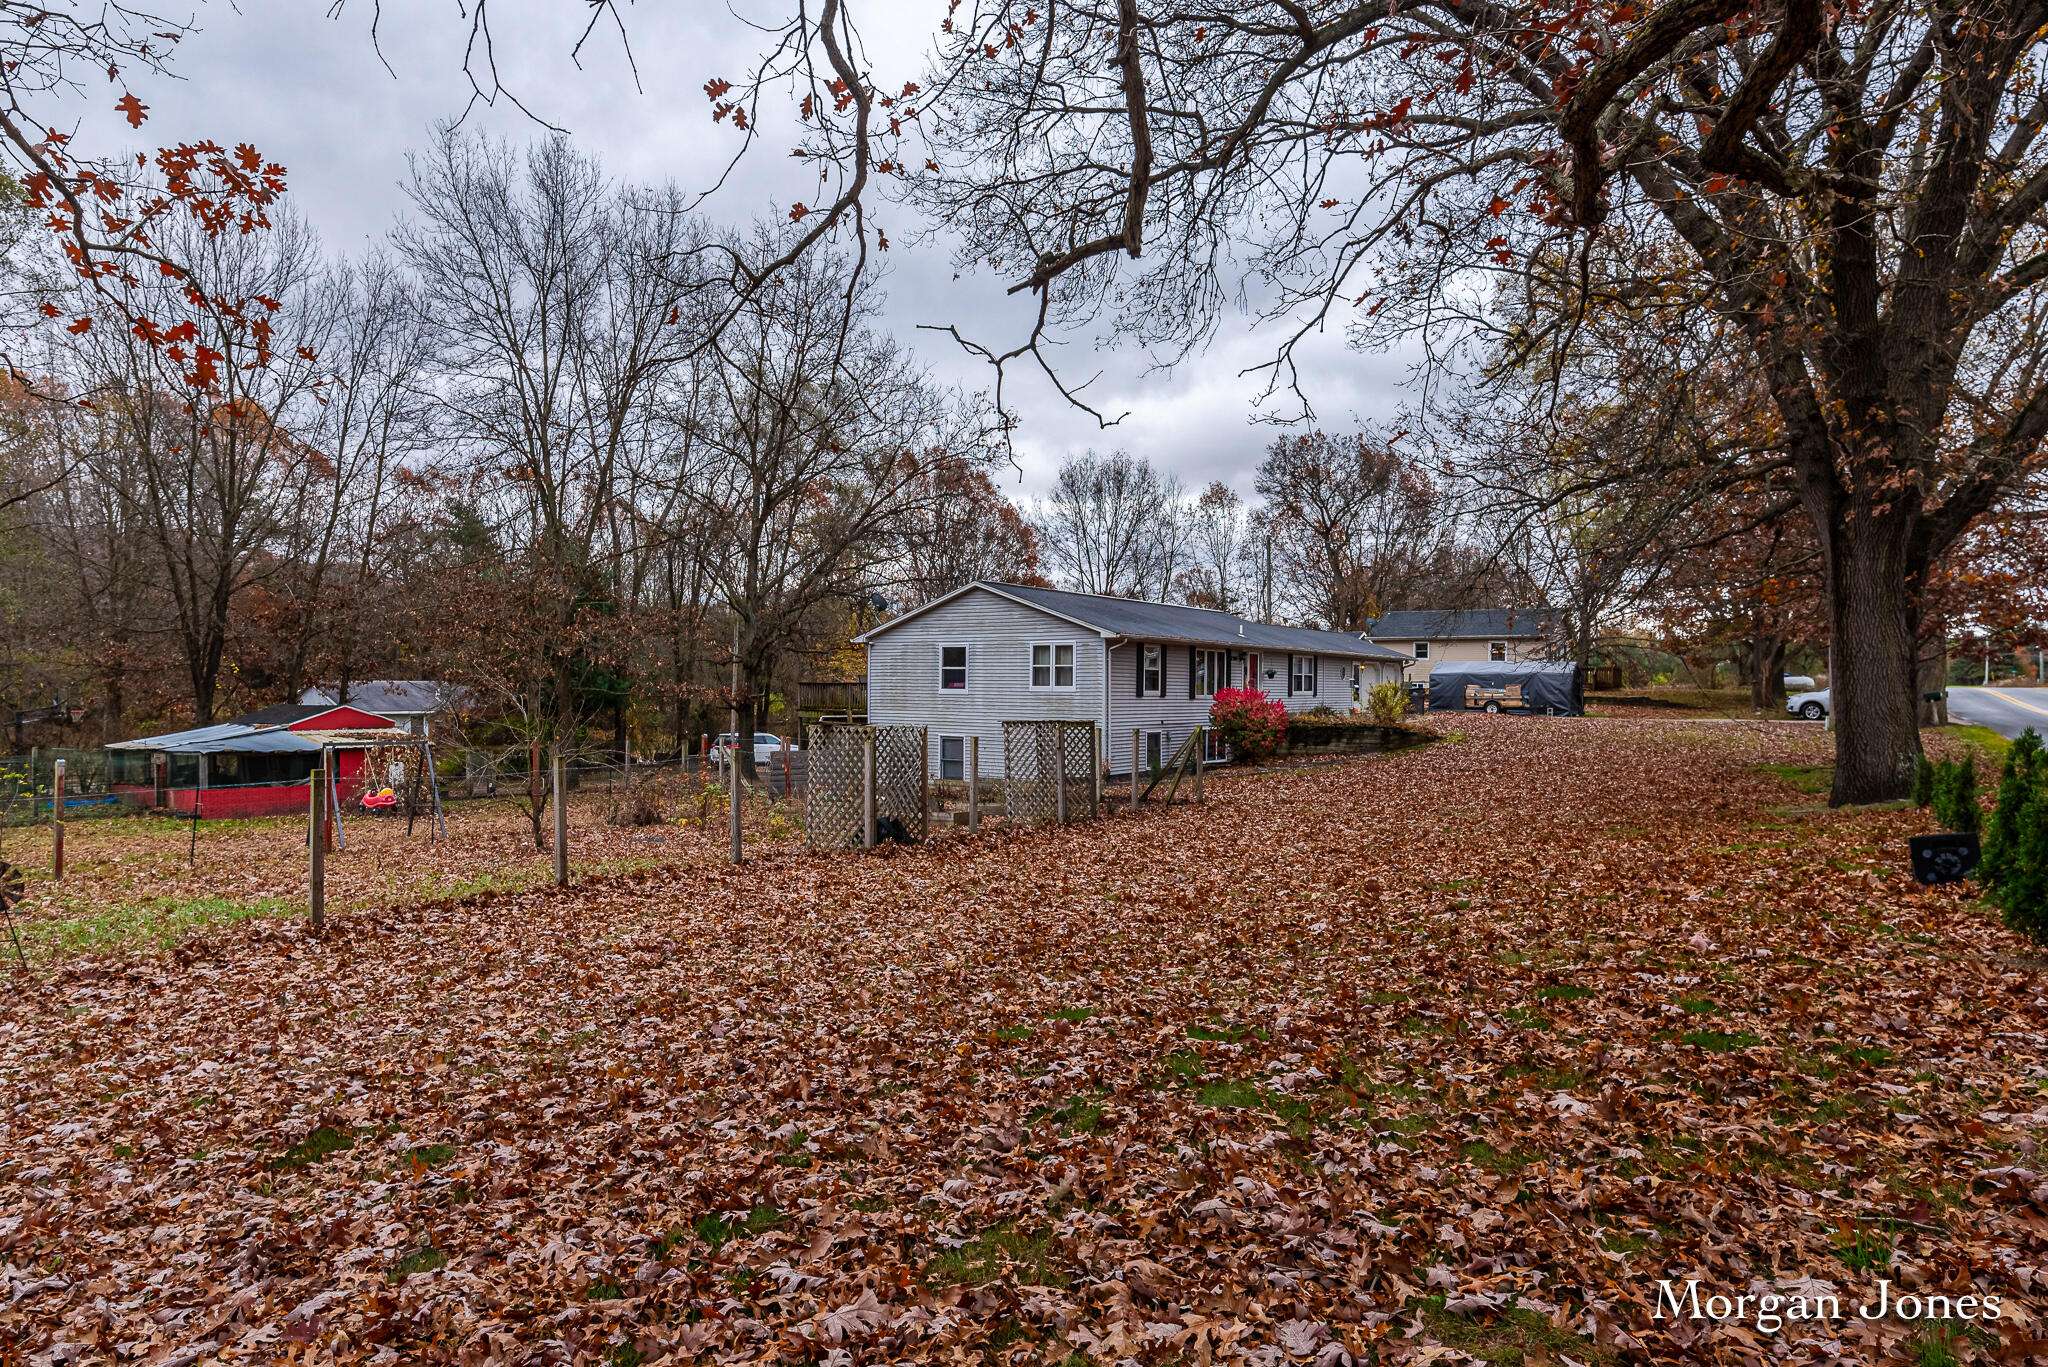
(833, 813)
(1038, 758)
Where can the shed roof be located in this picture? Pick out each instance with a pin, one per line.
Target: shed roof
(1139, 620)
(1463, 624)
(222, 738)
(402, 697)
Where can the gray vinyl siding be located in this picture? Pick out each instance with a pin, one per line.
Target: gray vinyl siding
(1177, 714)
(903, 673)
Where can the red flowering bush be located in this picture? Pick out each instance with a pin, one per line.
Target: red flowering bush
(1252, 724)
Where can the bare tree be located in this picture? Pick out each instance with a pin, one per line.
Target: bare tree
(1352, 521)
(1112, 524)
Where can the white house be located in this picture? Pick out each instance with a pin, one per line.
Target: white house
(970, 660)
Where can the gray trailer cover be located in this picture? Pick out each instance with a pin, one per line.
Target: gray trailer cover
(1545, 687)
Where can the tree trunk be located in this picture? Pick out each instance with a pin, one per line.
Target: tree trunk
(1873, 619)
(1766, 670)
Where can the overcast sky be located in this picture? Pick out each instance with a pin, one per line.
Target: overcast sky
(310, 91)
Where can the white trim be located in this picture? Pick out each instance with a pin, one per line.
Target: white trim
(1502, 647)
(966, 667)
(1052, 666)
(985, 587)
(939, 754)
(1421, 649)
(1145, 649)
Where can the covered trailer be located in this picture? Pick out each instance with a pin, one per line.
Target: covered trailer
(1508, 686)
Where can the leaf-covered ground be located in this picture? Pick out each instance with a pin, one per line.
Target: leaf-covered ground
(1440, 1056)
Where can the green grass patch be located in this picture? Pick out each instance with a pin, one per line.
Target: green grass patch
(1983, 739)
(431, 1155)
(1185, 1065)
(717, 1231)
(317, 1147)
(1807, 778)
(1223, 1032)
(1513, 1338)
(1011, 1034)
(1499, 1162)
(1074, 1015)
(158, 923)
(425, 1258)
(1697, 1006)
(1000, 1251)
(1720, 1041)
(1075, 1115)
(1866, 1248)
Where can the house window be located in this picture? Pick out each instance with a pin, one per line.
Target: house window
(1155, 751)
(1422, 650)
(1214, 751)
(953, 668)
(1052, 666)
(1496, 651)
(1211, 671)
(952, 757)
(1301, 676)
(1152, 672)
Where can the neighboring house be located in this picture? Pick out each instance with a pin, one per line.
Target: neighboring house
(1425, 636)
(256, 765)
(970, 660)
(412, 703)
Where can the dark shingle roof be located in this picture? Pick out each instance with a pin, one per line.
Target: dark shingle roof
(1463, 624)
(386, 696)
(1136, 619)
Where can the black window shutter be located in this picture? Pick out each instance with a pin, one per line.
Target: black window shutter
(1139, 658)
(1290, 676)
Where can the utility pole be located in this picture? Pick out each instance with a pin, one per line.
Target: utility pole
(732, 756)
(316, 845)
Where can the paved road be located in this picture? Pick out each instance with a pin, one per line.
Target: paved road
(2008, 711)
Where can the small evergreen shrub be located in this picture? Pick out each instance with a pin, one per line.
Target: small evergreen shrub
(1252, 724)
(1955, 795)
(2024, 763)
(2014, 868)
(1388, 703)
(1923, 781)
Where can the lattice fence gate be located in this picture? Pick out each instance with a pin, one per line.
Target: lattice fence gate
(832, 775)
(1039, 759)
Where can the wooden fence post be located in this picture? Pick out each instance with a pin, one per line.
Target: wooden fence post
(1095, 739)
(974, 783)
(867, 788)
(1135, 739)
(316, 845)
(788, 787)
(57, 822)
(1059, 773)
(561, 821)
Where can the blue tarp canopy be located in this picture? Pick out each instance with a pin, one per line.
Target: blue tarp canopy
(223, 738)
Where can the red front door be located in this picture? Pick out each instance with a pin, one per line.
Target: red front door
(1251, 671)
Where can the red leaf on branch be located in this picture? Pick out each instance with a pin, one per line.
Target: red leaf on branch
(135, 110)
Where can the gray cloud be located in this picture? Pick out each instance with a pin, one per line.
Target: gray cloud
(311, 92)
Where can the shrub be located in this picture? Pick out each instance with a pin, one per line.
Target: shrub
(1252, 724)
(634, 811)
(2022, 775)
(1923, 781)
(1388, 703)
(2022, 890)
(1955, 795)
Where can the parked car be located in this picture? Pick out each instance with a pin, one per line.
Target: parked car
(1813, 706)
(1800, 683)
(767, 745)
